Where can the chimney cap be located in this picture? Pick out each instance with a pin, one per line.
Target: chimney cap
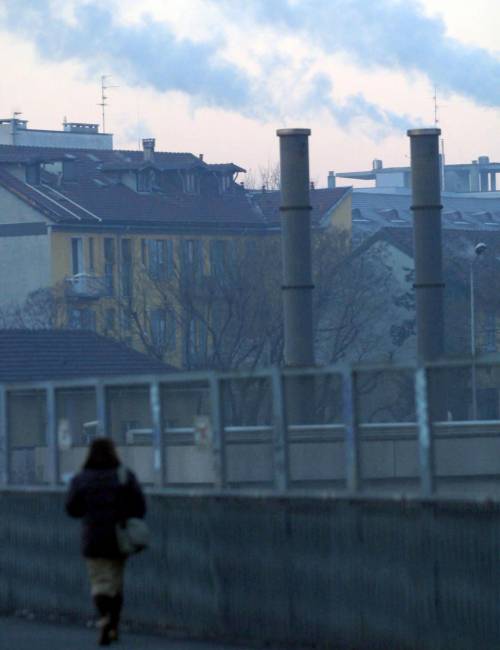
(285, 132)
(418, 132)
(148, 143)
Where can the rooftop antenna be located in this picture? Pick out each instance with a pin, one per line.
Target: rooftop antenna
(436, 106)
(104, 86)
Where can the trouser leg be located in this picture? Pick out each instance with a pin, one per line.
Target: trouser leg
(116, 610)
(104, 606)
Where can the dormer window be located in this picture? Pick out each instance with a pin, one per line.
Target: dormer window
(145, 180)
(190, 183)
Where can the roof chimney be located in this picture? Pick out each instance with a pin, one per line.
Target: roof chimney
(200, 156)
(148, 148)
(331, 182)
(377, 164)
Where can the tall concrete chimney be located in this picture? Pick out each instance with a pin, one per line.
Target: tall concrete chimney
(331, 183)
(426, 206)
(297, 274)
(296, 246)
(148, 148)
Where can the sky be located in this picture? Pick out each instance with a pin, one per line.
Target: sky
(218, 77)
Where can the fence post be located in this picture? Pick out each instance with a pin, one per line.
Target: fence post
(51, 433)
(425, 447)
(4, 439)
(352, 455)
(218, 437)
(280, 438)
(101, 410)
(158, 438)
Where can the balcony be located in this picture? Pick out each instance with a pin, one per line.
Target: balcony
(85, 286)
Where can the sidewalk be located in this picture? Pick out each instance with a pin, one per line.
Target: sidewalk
(21, 634)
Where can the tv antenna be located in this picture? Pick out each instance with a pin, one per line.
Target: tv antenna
(104, 87)
(436, 106)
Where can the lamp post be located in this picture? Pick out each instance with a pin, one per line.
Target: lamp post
(478, 250)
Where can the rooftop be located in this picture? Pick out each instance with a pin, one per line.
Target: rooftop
(40, 355)
(97, 190)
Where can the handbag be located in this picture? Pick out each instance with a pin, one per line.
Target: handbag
(132, 533)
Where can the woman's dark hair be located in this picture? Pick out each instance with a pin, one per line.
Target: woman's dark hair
(102, 455)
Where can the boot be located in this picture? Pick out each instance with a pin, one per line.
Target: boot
(116, 608)
(104, 606)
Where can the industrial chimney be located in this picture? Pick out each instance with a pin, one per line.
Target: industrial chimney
(426, 206)
(297, 285)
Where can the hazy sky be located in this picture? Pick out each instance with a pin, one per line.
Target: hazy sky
(220, 76)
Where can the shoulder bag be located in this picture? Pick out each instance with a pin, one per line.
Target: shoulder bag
(132, 533)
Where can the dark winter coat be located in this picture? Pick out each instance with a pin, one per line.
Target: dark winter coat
(97, 496)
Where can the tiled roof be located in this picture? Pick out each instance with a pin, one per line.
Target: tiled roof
(39, 355)
(96, 196)
(372, 211)
(225, 167)
(322, 201)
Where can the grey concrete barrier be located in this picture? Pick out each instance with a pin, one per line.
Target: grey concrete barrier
(296, 570)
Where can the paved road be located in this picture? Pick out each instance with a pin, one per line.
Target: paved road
(21, 634)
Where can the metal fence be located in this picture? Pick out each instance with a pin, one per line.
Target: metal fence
(355, 429)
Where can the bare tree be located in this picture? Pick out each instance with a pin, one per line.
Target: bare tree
(43, 309)
(352, 294)
(203, 315)
(266, 177)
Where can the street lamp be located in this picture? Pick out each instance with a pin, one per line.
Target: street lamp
(478, 250)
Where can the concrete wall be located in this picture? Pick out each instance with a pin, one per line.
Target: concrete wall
(301, 572)
(24, 266)
(465, 461)
(24, 258)
(41, 138)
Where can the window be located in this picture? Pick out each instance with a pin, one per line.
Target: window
(145, 179)
(160, 258)
(126, 267)
(222, 258)
(76, 256)
(163, 329)
(109, 265)
(109, 320)
(191, 258)
(196, 341)
(217, 258)
(81, 319)
(190, 183)
(91, 255)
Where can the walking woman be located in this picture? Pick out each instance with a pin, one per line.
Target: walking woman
(100, 496)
